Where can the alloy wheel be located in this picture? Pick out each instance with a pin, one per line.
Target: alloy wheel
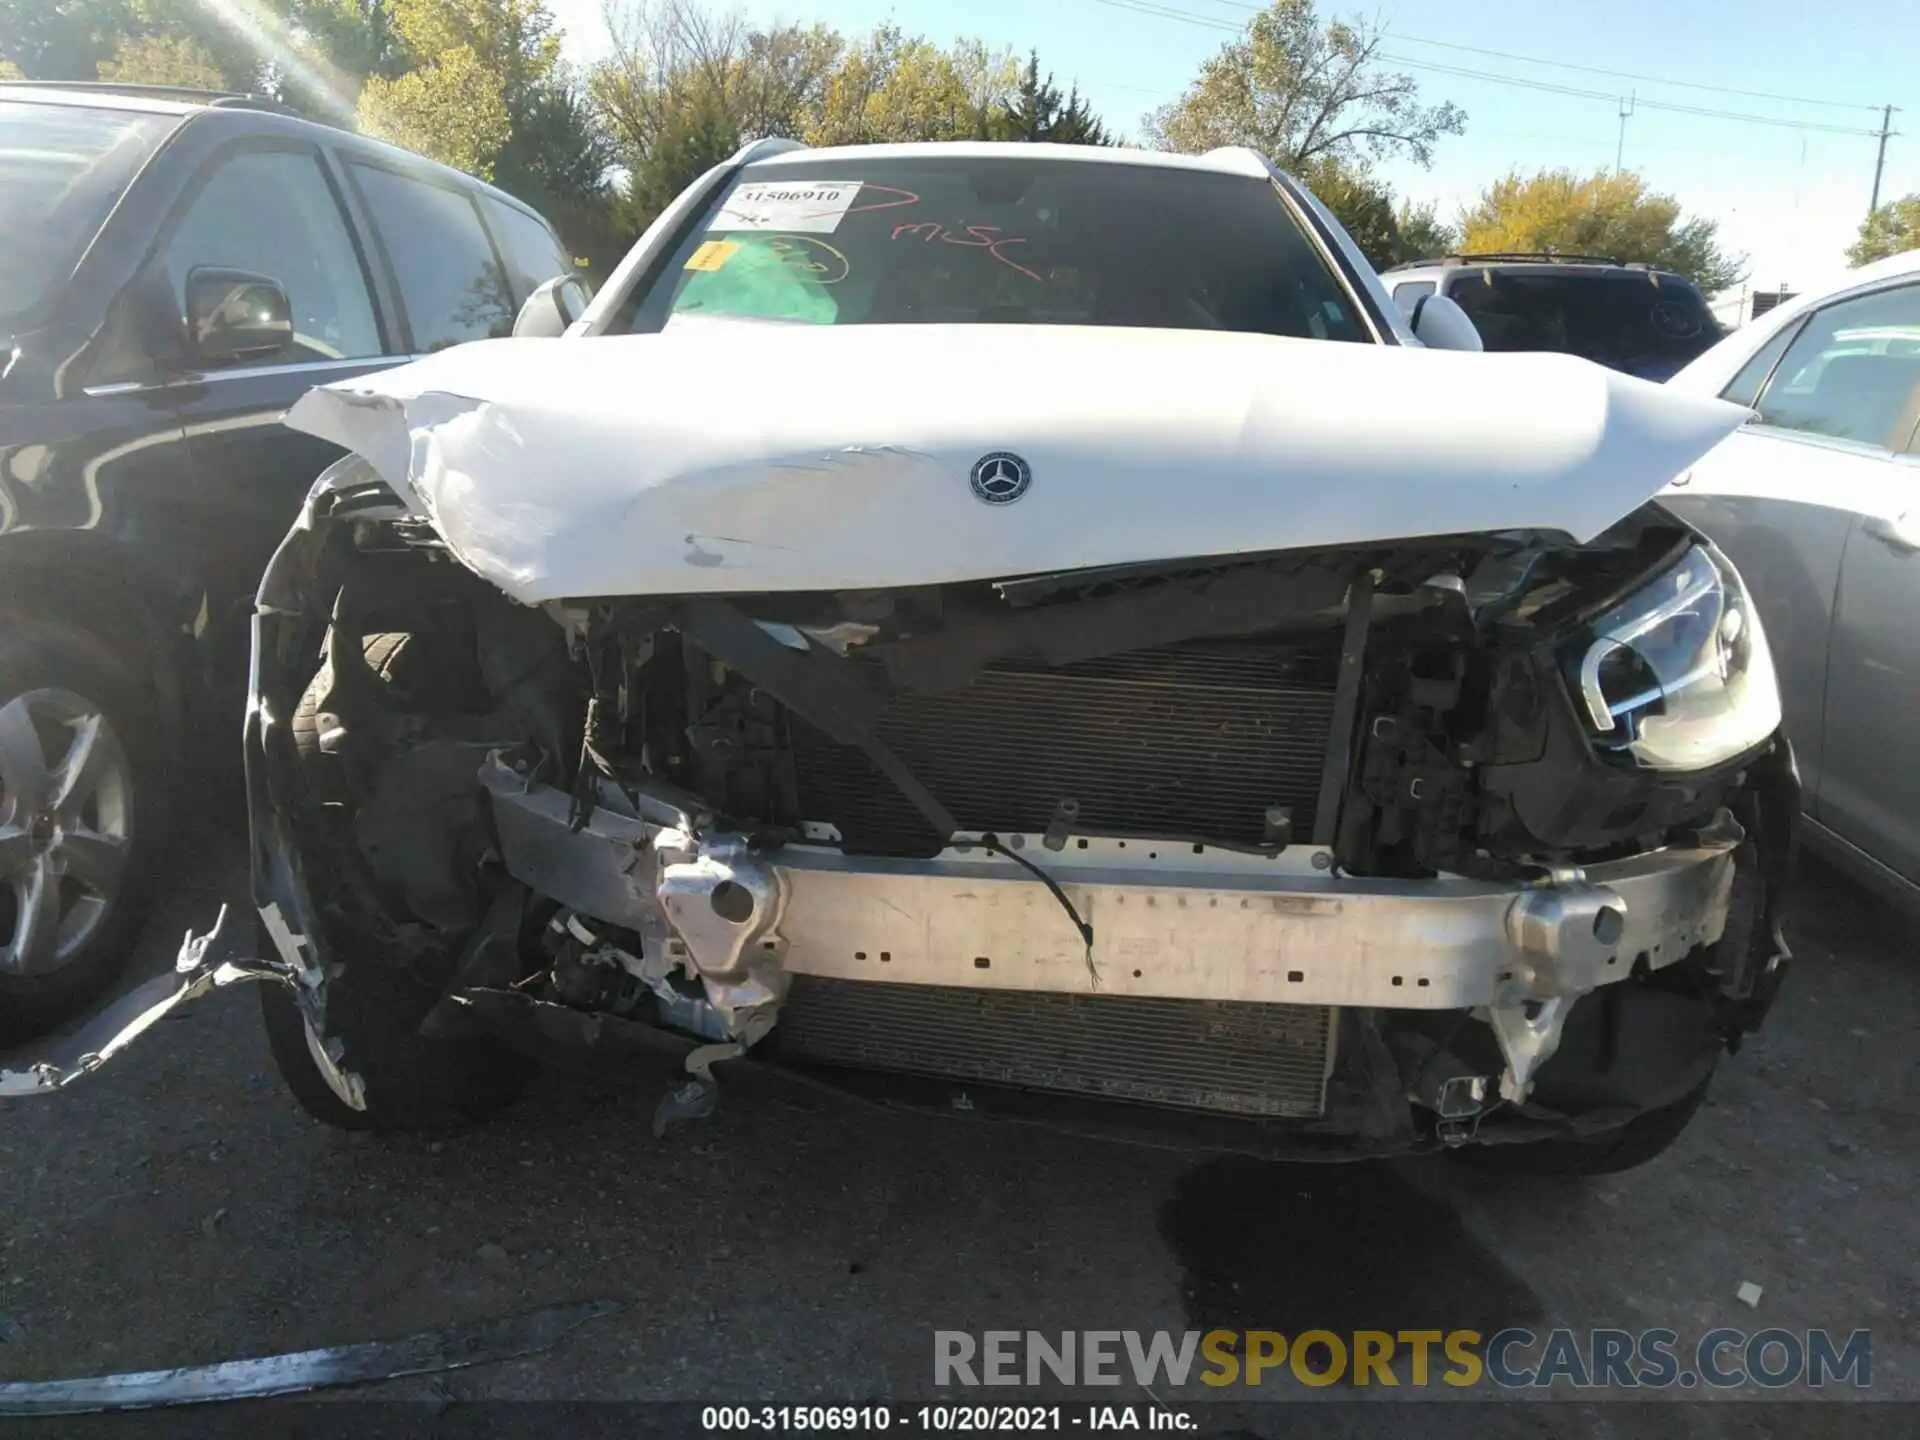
(66, 824)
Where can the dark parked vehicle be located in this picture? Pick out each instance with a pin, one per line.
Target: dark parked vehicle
(1632, 318)
(176, 268)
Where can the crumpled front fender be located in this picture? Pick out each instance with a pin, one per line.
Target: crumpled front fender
(291, 613)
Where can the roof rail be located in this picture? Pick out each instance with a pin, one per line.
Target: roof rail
(765, 147)
(181, 94)
(189, 93)
(1565, 257)
(253, 102)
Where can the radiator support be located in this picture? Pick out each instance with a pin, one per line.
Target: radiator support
(1210, 1055)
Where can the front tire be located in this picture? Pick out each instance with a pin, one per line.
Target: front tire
(83, 819)
(375, 1005)
(412, 1083)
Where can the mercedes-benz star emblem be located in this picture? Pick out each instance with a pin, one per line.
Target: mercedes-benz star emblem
(1001, 478)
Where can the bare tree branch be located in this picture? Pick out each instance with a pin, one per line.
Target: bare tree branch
(1297, 89)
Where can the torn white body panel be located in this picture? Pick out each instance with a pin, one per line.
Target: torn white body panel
(738, 456)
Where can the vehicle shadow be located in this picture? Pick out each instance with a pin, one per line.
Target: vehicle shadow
(1334, 1247)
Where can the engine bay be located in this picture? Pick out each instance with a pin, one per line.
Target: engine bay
(681, 825)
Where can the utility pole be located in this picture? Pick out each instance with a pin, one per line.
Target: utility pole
(1880, 161)
(1626, 110)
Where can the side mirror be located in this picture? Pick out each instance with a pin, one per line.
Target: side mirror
(1440, 324)
(551, 309)
(236, 315)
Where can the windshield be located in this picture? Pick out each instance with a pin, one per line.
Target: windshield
(61, 169)
(1015, 240)
(1635, 320)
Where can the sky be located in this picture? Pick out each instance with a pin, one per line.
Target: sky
(1790, 198)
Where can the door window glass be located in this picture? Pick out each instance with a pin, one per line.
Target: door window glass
(451, 285)
(533, 255)
(272, 212)
(1744, 389)
(1405, 295)
(1853, 372)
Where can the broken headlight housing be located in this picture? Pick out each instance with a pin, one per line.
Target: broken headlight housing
(1678, 676)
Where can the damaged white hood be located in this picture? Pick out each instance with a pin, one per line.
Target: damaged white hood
(742, 456)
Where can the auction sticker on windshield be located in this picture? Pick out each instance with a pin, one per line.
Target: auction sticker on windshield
(815, 206)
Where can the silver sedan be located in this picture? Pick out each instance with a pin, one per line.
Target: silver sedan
(1817, 501)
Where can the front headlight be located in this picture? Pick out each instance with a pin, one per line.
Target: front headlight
(1678, 676)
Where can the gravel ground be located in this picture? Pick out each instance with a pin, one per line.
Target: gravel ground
(177, 1209)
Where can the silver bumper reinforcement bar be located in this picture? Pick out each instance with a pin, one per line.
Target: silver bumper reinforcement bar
(1169, 919)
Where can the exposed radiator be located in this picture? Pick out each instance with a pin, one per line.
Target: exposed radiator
(1192, 1054)
(1194, 741)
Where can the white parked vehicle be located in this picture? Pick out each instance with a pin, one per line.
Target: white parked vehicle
(1023, 623)
(1817, 499)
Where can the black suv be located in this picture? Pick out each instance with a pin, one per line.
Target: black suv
(1631, 317)
(176, 268)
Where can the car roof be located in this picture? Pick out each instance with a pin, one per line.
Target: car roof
(140, 99)
(1893, 267)
(1712, 372)
(1228, 160)
(256, 113)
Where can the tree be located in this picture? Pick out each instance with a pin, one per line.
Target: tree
(1889, 230)
(1036, 111)
(1387, 234)
(61, 39)
(479, 85)
(283, 48)
(326, 50)
(162, 60)
(148, 42)
(450, 109)
(1610, 213)
(1359, 201)
(224, 43)
(781, 80)
(1421, 234)
(557, 156)
(352, 38)
(479, 73)
(892, 87)
(696, 136)
(1296, 90)
(682, 89)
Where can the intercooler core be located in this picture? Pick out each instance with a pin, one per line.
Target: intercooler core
(1268, 1060)
(1190, 742)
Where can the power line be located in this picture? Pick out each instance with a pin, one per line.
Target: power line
(1630, 75)
(1489, 76)
(1402, 37)
(1157, 90)
(1545, 86)
(1480, 132)
(1167, 12)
